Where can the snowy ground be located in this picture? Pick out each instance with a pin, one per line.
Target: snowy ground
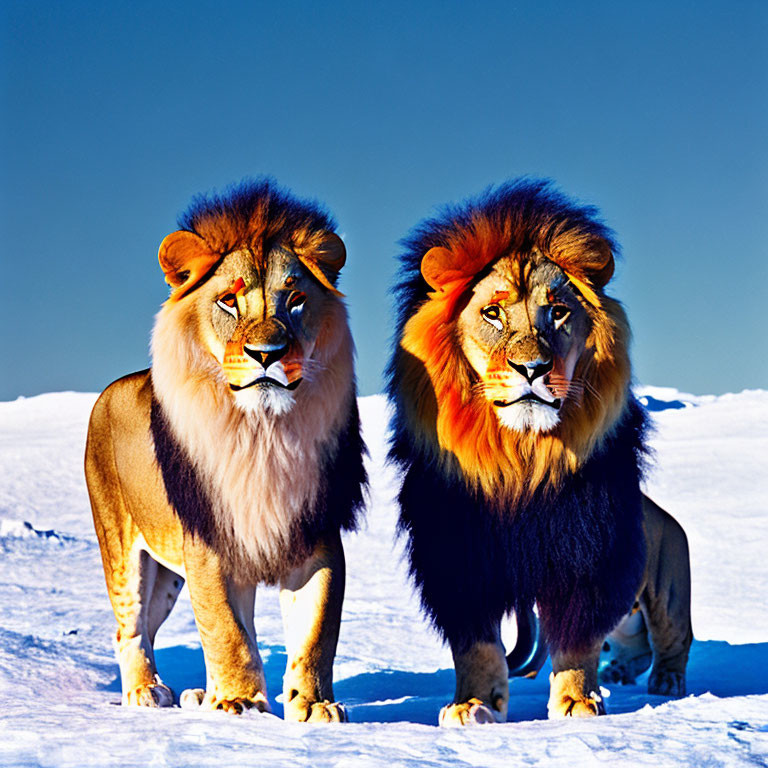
(59, 683)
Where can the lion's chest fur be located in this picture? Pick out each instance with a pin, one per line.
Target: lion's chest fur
(258, 486)
(253, 486)
(579, 550)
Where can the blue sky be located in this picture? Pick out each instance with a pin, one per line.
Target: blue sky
(116, 113)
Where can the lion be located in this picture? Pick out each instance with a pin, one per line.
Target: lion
(522, 450)
(237, 459)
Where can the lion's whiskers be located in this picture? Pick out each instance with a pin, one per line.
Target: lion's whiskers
(593, 390)
(311, 368)
(499, 384)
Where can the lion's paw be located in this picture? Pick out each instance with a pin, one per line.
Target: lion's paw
(194, 698)
(666, 682)
(582, 706)
(327, 712)
(299, 709)
(472, 712)
(149, 695)
(624, 671)
(240, 704)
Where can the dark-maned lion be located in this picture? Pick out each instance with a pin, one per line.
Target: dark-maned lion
(522, 449)
(237, 459)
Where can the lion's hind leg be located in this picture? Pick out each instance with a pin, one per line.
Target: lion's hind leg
(143, 593)
(626, 651)
(666, 600)
(165, 592)
(530, 651)
(658, 630)
(141, 590)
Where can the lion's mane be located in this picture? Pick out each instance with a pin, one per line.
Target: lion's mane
(553, 517)
(431, 381)
(262, 487)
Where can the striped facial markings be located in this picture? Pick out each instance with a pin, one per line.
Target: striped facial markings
(261, 350)
(232, 301)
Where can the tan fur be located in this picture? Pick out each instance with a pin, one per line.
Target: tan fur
(252, 446)
(260, 467)
(658, 631)
(482, 690)
(464, 368)
(573, 686)
(308, 595)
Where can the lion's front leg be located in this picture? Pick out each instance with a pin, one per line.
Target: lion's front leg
(224, 615)
(482, 686)
(311, 597)
(573, 687)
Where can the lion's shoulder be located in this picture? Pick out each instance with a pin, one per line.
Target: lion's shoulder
(125, 404)
(131, 389)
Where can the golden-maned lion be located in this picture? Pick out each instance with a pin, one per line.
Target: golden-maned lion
(237, 459)
(522, 449)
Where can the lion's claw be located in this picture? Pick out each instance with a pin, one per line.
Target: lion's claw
(327, 712)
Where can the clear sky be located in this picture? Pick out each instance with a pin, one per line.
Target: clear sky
(115, 113)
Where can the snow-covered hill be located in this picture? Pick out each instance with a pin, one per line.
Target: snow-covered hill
(59, 683)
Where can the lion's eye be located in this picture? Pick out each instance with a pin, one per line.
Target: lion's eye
(492, 314)
(290, 281)
(296, 300)
(228, 302)
(559, 314)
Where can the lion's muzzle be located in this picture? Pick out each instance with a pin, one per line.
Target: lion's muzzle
(525, 382)
(529, 396)
(263, 365)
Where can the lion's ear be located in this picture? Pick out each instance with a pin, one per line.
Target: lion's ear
(332, 253)
(599, 263)
(439, 267)
(591, 270)
(329, 256)
(186, 259)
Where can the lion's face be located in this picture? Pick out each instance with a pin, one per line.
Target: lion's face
(262, 325)
(523, 330)
(512, 363)
(256, 316)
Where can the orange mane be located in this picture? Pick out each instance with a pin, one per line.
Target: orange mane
(445, 416)
(255, 216)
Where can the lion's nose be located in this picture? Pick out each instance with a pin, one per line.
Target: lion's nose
(532, 370)
(265, 354)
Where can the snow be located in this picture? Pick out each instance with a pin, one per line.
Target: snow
(60, 687)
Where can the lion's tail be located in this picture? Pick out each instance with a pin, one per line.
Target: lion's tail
(530, 651)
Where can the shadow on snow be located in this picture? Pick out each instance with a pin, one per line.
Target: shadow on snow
(416, 697)
(653, 404)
